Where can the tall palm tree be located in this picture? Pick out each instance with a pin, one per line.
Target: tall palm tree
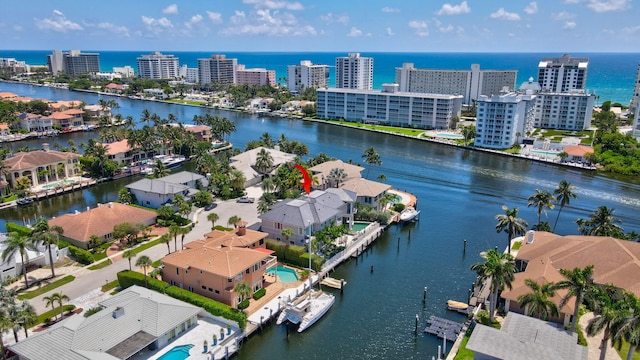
(601, 222)
(129, 254)
(17, 243)
(628, 326)
(5, 325)
(609, 316)
(165, 239)
(243, 289)
(577, 282)
(49, 235)
(159, 170)
(233, 220)
(213, 217)
(563, 193)
(26, 316)
(510, 223)
(174, 231)
(144, 262)
(538, 300)
(371, 157)
(62, 298)
(51, 301)
(264, 161)
(542, 200)
(499, 269)
(183, 233)
(287, 233)
(336, 175)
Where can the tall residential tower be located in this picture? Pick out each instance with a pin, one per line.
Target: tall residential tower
(354, 72)
(158, 66)
(307, 75)
(217, 69)
(562, 74)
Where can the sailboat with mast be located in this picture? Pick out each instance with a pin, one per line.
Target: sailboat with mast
(307, 309)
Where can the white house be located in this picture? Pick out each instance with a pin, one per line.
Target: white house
(12, 267)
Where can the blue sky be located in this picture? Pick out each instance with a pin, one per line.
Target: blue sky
(327, 25)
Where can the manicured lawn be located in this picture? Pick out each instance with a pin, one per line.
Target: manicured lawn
(49, 314)
(624, 349)
(45, 289)
(101, 265)
(393, 129)
(110, 286)
(156, 263)
(516, 245)
(144, 247)
(463, 352)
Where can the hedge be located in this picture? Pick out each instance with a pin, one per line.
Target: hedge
(293, 254)
(260, 293)
(243, 304)
(83, 256)
(20, 229)
(127, 278)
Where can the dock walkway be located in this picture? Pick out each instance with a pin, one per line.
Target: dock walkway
(443, 328)
(354, 247)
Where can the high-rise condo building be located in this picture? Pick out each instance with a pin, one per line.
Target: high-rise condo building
(501, 117)
(307, 75)
(354, 72)
(562, 74)
(633, 107)
(389, 107)
(468, 83)
(73, 62)
(258, 76)
(158, 66)
(217, 69)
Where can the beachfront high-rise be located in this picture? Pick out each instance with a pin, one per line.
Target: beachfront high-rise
(73, 62)
(256, 76)
(633, 107)
(501, 118)
(468, 83)
(158, 66)
(354, 72)
(217, 69)
(562, 74)
(307, 75)
(389, 107)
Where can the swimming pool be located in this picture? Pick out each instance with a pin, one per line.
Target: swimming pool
(359, 226)
(180, 352)
(50, 186)
(542, 153)
(450, 136)
(286, 275)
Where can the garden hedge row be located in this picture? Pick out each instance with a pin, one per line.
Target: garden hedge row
(81, 255)
(260, 293)
(294, 254)
(128, 278)
(20, 229)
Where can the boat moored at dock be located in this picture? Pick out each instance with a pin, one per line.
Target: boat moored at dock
(307, 309)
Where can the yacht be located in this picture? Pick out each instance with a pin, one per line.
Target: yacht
(170, 161)
(409, 214)
(307, 309)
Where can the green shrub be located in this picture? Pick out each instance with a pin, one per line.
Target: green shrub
(243, 304)
(128, 278)
(80, 255)
(92, 311)
(22, 230)
(293, 254)
(63, 244)
(483, 317)
(260, 293)
(581, 339)
(398, 207)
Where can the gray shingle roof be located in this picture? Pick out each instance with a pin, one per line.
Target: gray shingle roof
(157, 186)
(182, 177)
(145, 311)
(319, 206)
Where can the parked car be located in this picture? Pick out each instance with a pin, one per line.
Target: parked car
(245, 199)
(210, 206)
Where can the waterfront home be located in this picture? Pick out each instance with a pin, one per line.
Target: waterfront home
(209, 269)
(123, 154)
(239, 237)
(115, 88)
(97, 111)
(4, 130)
(71, 118)
(155, 93)
(79, 227)
(578, 153)
(246, 162)
(308, 214)
(369, 192)
(65, 105)
(324, 172)
(131, 321)
(202, 132)
(42, 166)
(12, 266)
(154, 193)
(543, 254)
(35, 122)
(525, 338)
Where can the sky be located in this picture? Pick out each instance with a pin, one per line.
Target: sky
(323, 25)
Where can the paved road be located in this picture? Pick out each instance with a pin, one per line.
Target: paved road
(88, 280)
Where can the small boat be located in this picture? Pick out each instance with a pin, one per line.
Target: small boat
(409, 214)
(24, 201)
(307, 309)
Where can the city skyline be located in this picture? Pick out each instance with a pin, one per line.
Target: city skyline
(304, 25)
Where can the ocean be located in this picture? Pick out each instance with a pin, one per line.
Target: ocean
(611, 76)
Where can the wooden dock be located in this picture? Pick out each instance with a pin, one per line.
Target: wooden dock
(443, 328)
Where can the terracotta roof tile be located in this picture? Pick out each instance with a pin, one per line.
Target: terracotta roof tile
(117, 147)
(31, 159)
(223, 261)
(577, 150)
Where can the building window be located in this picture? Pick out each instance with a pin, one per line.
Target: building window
(177, 271)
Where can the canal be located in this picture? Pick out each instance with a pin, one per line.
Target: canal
(460, 192)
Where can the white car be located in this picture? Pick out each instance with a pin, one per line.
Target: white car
(245, 199)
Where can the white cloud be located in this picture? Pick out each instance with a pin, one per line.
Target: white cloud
(532, 8)
(603, 5)
(631, 29)
(446, 29)
(156, 26)
(195, 19)
(333, 18)
(420, 27)
(502, 14)
(122, 30)
(387, 9)
(265, 22)
(563, 15)
(57, 22)
(389, 31)
(274, 4)
(355, 32)
(569, 25)
(215, 17)
(171, 9)
(448, 9)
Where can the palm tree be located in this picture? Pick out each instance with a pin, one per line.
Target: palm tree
(538, 300)
(144, 262)
(601, 222)
(183, 232)
(563, 193)
(371, 157)
(499, 269)
(213, 217)
(49, 236)
(287, 233)
(129, 254)
(51, 301)
(234, 220)
(26, 316)
(165, 239)
(243, 289)
(336, 175)
(61, 298)
(264, 162)
(17, 243)
(159, 170)
(5, 325)
(609, 316)
(578, 281)
(174, 231)
(510, 223)
(628, 325)
(541, 199)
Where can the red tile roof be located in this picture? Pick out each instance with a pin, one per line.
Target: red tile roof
(32, 159)
(578, 150)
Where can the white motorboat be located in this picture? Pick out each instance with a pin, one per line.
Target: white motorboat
(170, 161)
(409, 213)
(307, 309)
